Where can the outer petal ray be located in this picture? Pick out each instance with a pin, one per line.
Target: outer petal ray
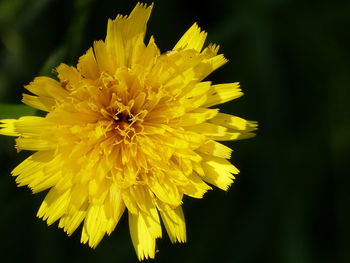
(193, 39)
(174, 222)
(144, 243)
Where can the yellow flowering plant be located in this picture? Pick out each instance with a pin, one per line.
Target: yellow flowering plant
(128, 128)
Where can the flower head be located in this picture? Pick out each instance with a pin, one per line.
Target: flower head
(128, 128)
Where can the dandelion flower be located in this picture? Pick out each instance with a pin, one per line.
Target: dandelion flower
(128, 128)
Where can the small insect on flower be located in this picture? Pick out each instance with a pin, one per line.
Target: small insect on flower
(128, 128)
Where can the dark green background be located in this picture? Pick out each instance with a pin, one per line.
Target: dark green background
(290, 203)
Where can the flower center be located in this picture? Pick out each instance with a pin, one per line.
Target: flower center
(127, 125)
(123, 120)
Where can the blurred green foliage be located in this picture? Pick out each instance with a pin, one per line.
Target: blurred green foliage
(291, 201)
(13, 111)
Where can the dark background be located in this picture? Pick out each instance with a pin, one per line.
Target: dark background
(290, 203)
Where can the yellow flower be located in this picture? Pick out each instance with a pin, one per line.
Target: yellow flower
(128, 127)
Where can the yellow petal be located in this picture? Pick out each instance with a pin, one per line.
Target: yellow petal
(214, 177)
(178, 68)
(68, 75)
(208, 129)
(234, 122)
(72, 219)
(137, 20)
(47, 87)
(165, 190)
(114, 44)
(222, 93)
(147, 210)
(144, 243)
(215, 148)
(194, 38)
(149, 54)
(196, 90)
(42, 180)
(104, 60)
(54, 205)
(215, 63)
(209, 63)
(196, 116)
(34, 162)
(174, 222)
(98, 190)
(87, 65)
(38, 102)
(95, 225)
(195, 187)
(79, 196)
(7, 127)
(34, 144)
(114, 207)
(220, 163)
(197, 167)
(129, 201)
(125, 34)
(32, 125)
(230, 136)
(218, 171)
